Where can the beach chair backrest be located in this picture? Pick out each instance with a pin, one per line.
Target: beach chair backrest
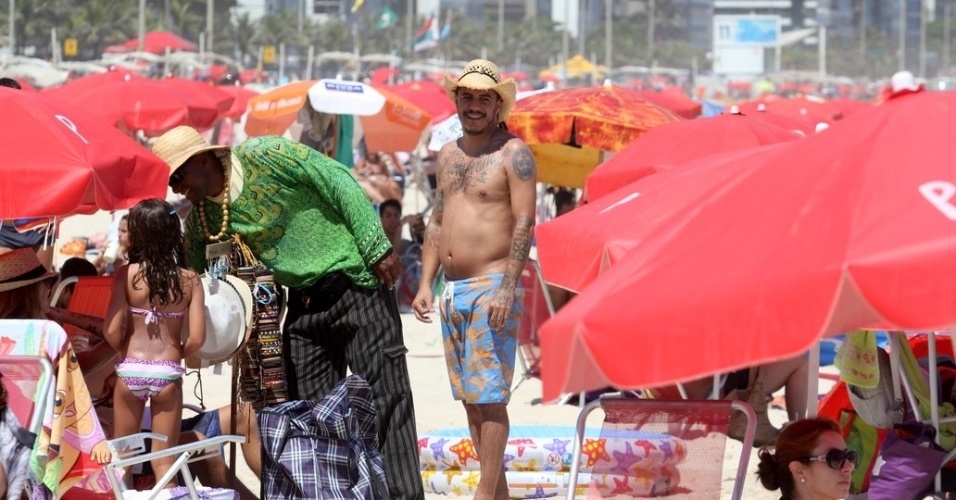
(91, 295)
(26, 379)
(649, 448)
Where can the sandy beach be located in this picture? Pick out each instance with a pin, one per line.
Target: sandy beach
(434, 407)
(435, 410)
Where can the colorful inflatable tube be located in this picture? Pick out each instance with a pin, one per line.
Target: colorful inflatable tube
(538, 462)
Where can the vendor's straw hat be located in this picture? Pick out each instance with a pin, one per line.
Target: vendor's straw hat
(19, 268)
(180, 144)
(229, 309)
(484, 75)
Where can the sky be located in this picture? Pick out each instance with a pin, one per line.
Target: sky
(255, 8)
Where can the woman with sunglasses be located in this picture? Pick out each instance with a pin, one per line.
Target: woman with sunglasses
(810, 461)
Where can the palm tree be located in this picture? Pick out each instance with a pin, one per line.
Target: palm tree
(240, 33)
(34, 21)
(534, 42)
(188, 18)
(276, 29)
(96, 24)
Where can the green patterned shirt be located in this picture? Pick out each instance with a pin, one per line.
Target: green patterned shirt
(301, 213)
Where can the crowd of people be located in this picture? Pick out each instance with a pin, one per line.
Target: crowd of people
(334, 238)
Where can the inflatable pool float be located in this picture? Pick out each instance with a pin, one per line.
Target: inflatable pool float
(538, 462)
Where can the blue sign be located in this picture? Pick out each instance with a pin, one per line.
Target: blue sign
(344, 87)
(739, 31)
(756, 31)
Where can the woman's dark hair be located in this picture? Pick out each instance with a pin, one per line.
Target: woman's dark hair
(22, 303)
(156, 244)
(795, 442)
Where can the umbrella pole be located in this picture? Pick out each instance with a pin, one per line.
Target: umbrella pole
(233, 406)
(813, 381)
(934, 397)
(420, 182)
(544, 214)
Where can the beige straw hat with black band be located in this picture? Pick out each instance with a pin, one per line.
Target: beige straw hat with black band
(484, 75)
(179, 145)
(19, 268)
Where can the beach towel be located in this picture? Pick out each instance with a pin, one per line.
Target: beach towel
(61, 457)
(881, 406)
(857, 359)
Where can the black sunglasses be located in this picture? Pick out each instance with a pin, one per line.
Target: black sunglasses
(180, 172)
(835, 458)
(177, 176)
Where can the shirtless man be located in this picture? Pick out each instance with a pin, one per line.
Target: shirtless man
(480, 232)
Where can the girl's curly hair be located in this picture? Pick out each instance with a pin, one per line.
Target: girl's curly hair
(156, 243)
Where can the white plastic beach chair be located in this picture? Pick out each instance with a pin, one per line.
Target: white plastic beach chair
(131, 450)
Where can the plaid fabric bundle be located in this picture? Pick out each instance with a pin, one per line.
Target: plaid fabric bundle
(323, 449)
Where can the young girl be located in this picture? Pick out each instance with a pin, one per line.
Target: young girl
(115, 254)
(151, 298)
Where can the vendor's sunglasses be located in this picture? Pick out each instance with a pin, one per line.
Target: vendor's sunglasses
(177, 176)
(180, 172)
(835, 458)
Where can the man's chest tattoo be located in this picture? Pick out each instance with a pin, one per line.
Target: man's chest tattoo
(464, 172)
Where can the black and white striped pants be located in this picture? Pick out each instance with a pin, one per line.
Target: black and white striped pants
(360, 329)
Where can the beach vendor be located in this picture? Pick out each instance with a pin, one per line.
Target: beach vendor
(304, 216)
(480, 232)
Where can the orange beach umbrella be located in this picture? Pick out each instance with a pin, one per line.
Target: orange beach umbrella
(398, 126)
(274, 111)
(568, 129)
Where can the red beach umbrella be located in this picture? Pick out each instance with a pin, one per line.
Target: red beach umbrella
(815, 111)
(241, 101)
(143, 104)
(77, 86)
(681, 105)
(753, 259)
(206, 103)
(676, 143)
(57, 160)
(155, 42)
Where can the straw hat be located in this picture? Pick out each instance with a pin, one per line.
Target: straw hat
(179, 145)
(229, 310)
(484, 75)
(19, 268)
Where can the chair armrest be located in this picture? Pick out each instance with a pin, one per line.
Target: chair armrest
(132, 445)
(211, 444)
(196, 408)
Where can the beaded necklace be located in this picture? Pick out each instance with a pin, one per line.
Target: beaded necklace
(225, 212)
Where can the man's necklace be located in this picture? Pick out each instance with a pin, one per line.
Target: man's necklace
(225, 215)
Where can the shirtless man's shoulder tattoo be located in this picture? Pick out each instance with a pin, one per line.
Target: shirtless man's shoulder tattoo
(523, 163)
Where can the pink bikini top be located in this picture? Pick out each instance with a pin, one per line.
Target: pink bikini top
(152, 315)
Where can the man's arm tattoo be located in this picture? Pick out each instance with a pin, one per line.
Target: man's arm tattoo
(433, 230)
(520, 248)
(523, 164)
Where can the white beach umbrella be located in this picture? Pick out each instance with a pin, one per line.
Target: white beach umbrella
(342, 97)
